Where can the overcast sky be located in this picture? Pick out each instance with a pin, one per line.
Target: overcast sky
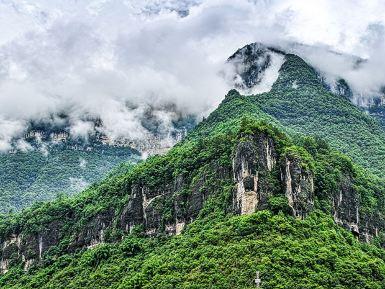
(112, 59)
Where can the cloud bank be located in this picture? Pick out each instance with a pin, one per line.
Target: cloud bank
(116, 60)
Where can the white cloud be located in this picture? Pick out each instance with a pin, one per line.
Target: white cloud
(116, 59)
(7, 129)
(23, 145)
(82, 163)
(80, 128)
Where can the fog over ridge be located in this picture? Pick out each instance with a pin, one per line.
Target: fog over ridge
(115, 60)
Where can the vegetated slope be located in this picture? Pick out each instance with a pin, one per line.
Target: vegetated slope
(231, 164)
(300, 102)
(28, 177)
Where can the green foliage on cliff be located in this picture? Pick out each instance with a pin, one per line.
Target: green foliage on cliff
(217, 252)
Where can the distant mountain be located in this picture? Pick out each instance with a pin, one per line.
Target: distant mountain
(256, 67)
(47, 161)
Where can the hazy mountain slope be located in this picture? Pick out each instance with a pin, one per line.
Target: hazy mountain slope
(27, 177)
(48, 161)
(308, 108)
(304, 103)
(300, 102)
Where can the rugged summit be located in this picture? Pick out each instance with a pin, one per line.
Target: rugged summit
(255, 67)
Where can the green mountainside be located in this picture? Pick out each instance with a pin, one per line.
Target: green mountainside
(308, 108)
(260, 185)
(28, 177)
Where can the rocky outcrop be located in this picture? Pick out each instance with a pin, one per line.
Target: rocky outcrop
(29, 248)
(255, 166)
(10, 251)
(251, 63)
(163, 210)
(370, 225)
(299, 186)
(347, 211)
(345, 205)
(254, 159)
(93, 233)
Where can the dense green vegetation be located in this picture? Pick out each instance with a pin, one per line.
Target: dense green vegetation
(220, 249)
(219, 252)
(27, 177)
(308, 108)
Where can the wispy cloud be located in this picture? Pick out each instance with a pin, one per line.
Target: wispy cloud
(116, 59)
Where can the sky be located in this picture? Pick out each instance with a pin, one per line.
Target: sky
(115, 60)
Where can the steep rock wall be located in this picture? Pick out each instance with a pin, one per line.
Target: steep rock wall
(299, 186)
(255, 158)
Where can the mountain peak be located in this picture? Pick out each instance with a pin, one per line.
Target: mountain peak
(255, 67)
(295, 72)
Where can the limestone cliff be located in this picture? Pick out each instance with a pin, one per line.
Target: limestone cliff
(299, 186)
(258, 169)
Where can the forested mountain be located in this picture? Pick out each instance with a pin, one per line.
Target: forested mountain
(287, 183)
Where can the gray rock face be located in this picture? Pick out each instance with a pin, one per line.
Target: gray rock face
(29, 248)
(370, 225)
(346, 205)
(254, 159)
(342, 88)
(254, 165)
(250, 64)
(299, 186)
(147, 208)
(347, 211)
